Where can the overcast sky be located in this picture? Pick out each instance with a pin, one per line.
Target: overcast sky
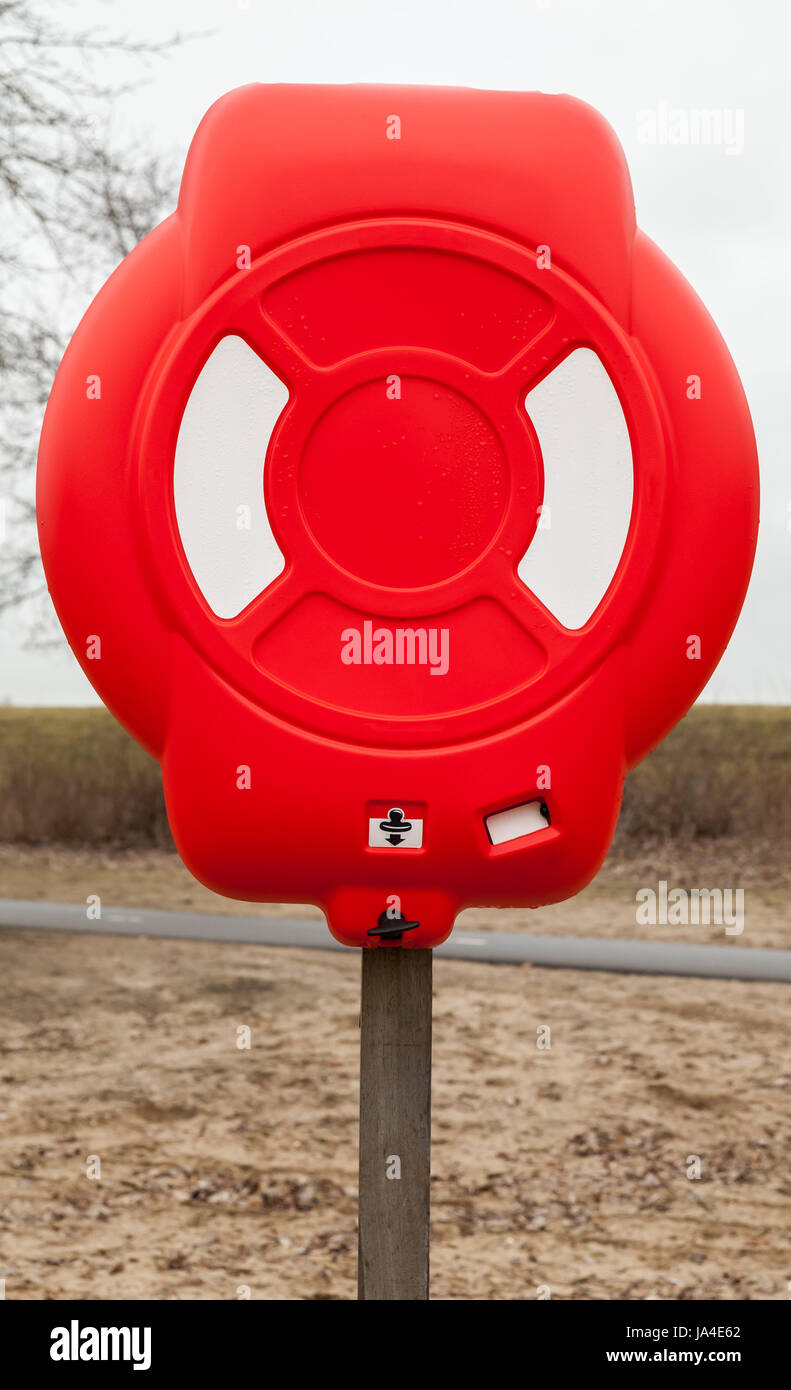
(721, 212)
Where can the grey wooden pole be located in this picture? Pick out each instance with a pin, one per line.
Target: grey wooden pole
(395, 1124)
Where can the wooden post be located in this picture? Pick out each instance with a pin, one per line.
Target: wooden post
(395, 1124)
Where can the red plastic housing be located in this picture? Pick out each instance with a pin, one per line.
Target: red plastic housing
(396, 232)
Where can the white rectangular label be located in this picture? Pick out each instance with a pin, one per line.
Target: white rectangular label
(515, 822)
(395, 831)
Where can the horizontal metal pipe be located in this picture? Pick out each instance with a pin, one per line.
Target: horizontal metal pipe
(495, 948)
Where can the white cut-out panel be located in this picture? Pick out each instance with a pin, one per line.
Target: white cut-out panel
(218, 477)
(588, 487)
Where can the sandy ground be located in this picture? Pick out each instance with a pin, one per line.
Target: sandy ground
(224, 1168)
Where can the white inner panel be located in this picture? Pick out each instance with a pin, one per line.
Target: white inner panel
(588, 484)
(218, 477)
(515, 822)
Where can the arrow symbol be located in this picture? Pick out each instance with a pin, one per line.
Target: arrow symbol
(395, 839)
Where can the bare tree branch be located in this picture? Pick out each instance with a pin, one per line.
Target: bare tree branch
(72, 204)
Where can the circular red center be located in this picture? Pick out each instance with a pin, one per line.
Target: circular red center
(403, 490)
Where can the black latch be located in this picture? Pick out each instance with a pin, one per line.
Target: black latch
(391, 927)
